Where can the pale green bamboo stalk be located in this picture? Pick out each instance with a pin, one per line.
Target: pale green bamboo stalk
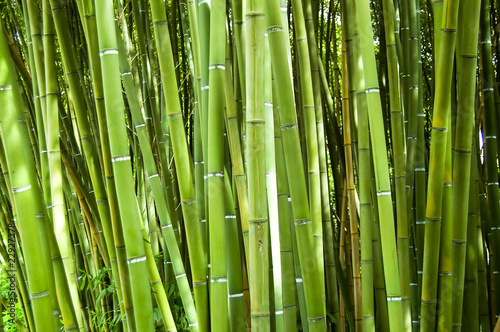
(58, 207)
(234, 142)
(320, 130)
(272, 191)
(348, 123)
(25, 192)
(219, 313)
(204, 40)
(296, 179)
(235, 272)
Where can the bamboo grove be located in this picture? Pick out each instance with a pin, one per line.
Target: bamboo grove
(258, 165)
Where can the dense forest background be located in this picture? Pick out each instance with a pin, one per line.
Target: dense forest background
(258, 165)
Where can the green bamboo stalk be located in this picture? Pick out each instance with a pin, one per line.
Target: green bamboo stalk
(234, 142)
(348, 123)
(272, 192)
(470, 298)
(444, 69)
(25, 192)
(296, 179)
(490, 136)
(311, 29)
(287, 259)
(444, 310)
(310, 122)
(120, 158)
(182, 162)
(384, 201)
(258, 221)
(58, 208)
(397, 139)
(204, 38)
(467, 33)
(158, 193)
(365, 209)
(215, 183)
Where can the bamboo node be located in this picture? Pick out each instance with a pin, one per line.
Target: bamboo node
(38, 295)
(108, 52)
(217, 280)
(136, 260)
(394, 298)
(257, 221)
(180, 276)
(274, 29)
(260, 315)
(289, 126)
(120, 158)
(384, 193)
(301, 222)
(217, 66)
(315, 319)
(370, 90)
(236, 295)
(21, 189)
(5, 87)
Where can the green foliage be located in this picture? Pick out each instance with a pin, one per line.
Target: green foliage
(9, 326)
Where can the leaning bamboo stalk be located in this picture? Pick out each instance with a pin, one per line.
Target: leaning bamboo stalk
(183, 164)
(234, 142)
(57, 208)
(158, 193)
